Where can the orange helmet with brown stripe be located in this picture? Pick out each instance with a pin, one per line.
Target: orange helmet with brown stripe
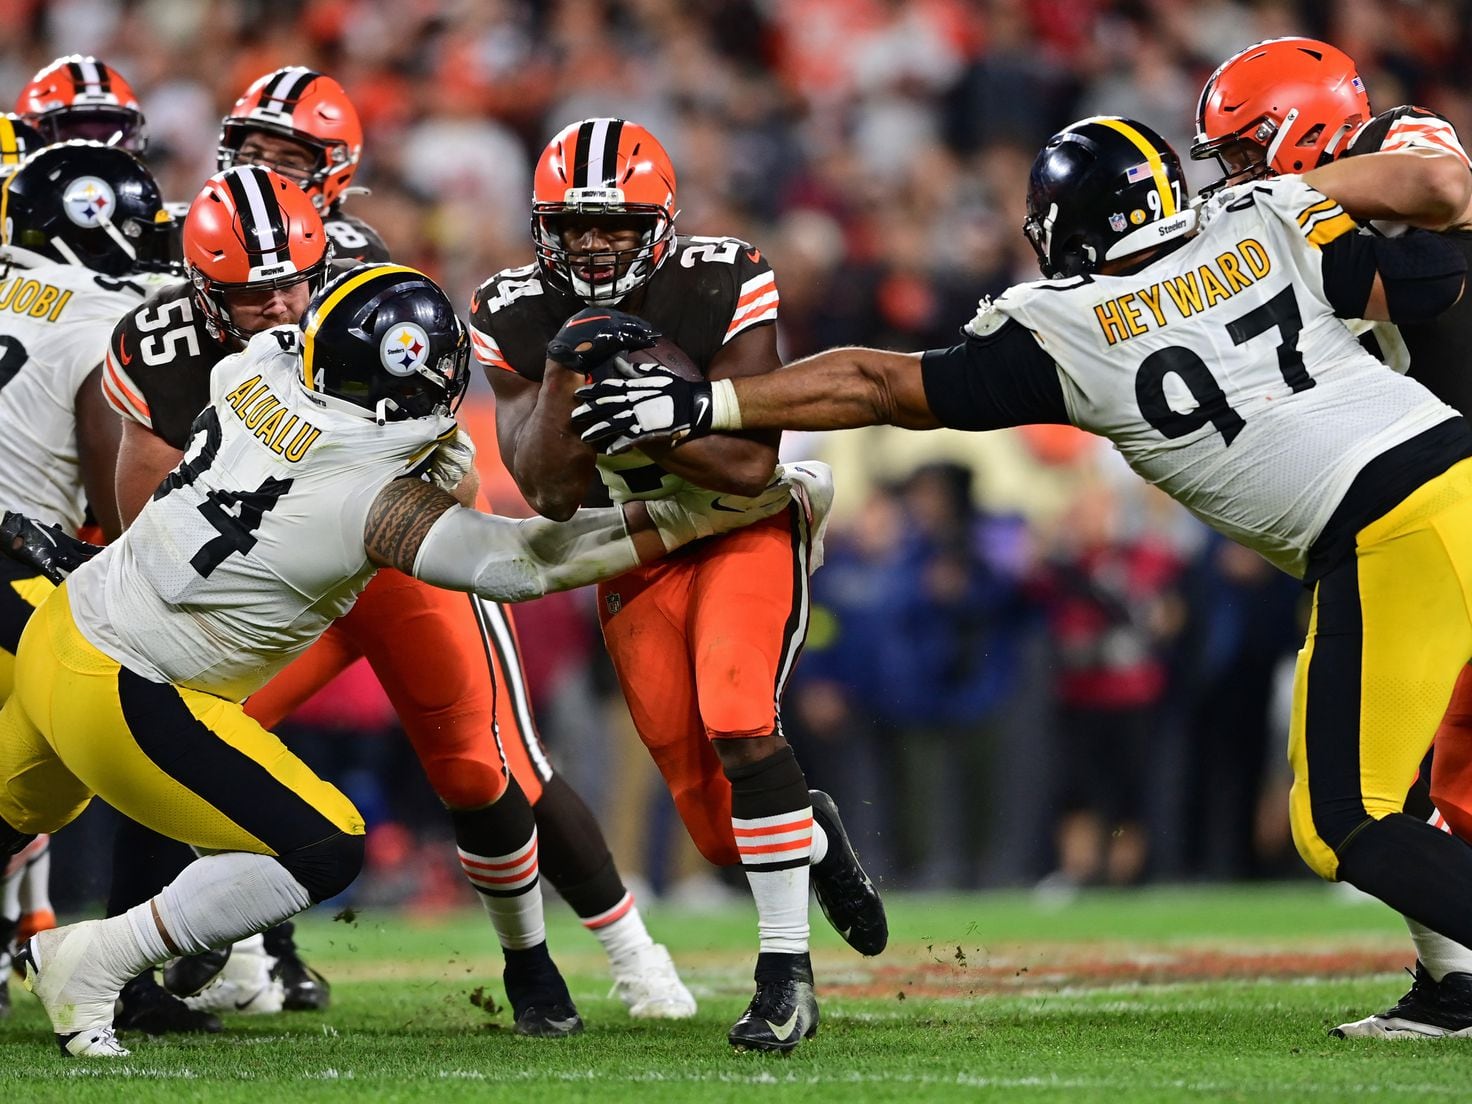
(79, 96)
(612, 174)
(303, 106)
(250, 229)
(1286, 105)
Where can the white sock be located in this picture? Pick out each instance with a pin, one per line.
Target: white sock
(216, 900)
(775, 852)
(621, 929)
(508, 887)
(1440, 955)
(10, 893)
(35, 883)
(820, 845)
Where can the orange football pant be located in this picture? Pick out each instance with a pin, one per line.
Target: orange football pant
(440, 656)
(703, 642)
(1451, 760)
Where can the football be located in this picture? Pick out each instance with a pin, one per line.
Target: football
(664, 353)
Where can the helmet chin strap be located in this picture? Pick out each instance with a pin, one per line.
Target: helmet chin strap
(67, 252)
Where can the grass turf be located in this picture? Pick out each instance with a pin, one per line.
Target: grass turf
(1219, 994)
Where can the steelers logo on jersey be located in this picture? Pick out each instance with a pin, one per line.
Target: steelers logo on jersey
(404, 349)
(88, 201)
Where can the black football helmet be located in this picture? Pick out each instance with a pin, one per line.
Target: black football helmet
(88, 204)
(18, 140)
(1101, 189)
(385, 338)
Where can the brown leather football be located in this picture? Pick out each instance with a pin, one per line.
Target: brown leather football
(664, 353)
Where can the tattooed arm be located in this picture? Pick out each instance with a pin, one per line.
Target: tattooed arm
(419, 529)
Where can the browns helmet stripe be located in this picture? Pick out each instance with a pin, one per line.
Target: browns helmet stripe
(610, 153)
(251, 190)
(580, 154)
(288, 87)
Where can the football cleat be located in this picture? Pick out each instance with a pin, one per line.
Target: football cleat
(7, 938)
(246, 984)
(188, 975)
(649, 985)
(784, 1010)
(540, 1003)
(1430, 1009)
(78, 1003)
(303, 988)
(845, 893)
(145, 1005)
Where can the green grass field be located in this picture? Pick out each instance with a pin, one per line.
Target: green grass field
(1185, 994)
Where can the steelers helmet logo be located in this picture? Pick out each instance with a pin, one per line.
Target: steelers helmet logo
(404, 349)
(88, 201)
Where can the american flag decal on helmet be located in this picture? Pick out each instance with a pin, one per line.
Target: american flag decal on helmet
(1137, 173)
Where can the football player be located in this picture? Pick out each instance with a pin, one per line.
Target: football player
(254, 246)
(302, 478)
(1217, 363)
(82, 97)
(302, 124)
(704, 643)
(1282, 106)
(84, 240)
(18, 140)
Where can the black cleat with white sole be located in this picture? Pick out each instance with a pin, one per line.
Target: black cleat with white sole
(1430, 1009)
(540, 1003)
(845, 893)
(304, 989)
(784, 1010)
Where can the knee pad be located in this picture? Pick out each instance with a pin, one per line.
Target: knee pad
(465, 782)
(325, 868)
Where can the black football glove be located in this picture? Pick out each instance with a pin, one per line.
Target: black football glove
(47, 548)
(595, 334)
(616, 414)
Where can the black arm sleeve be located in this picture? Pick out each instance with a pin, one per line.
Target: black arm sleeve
(992, 382)
(1422, 274)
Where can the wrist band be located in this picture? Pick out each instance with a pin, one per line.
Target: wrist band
(725, 411)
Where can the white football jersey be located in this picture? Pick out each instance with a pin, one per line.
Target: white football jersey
(254, 544)
(1221, 373)
(55, 321)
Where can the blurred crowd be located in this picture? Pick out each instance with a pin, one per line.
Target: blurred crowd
(1024, 666)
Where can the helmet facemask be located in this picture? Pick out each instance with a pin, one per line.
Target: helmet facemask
(214, 304)
(331, 157)
(604, 277)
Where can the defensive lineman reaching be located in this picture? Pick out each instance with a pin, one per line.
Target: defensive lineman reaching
(1218, 364)
(301, 479)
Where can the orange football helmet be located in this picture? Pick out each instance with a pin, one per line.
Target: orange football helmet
(250, 229)
(615, 174)
(80, 97)
(307, 107)
(1282, 106)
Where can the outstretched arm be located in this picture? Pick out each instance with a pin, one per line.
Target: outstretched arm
(1418, 187)
(420, 529)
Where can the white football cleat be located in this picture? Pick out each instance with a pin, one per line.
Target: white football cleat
(650, 987)
(245, 984)
(78, 1003)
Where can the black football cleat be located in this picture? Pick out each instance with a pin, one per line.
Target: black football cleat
(303, 988)
(845, 893)
(540, 1003)
(1430, 1009)
(145, 1005)
(784, 1010)
(7, 937)
(188, 975)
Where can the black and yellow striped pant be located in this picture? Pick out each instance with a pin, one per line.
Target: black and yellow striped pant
(1390, 633)
(184, 763)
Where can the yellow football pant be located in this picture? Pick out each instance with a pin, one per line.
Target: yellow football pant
(184, 763)
(21, 591)
(1390, 633)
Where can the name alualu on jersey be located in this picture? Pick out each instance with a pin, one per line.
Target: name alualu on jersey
(265, 416)
(1137, 312)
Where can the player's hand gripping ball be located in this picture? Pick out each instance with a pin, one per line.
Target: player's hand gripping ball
(595, 335)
